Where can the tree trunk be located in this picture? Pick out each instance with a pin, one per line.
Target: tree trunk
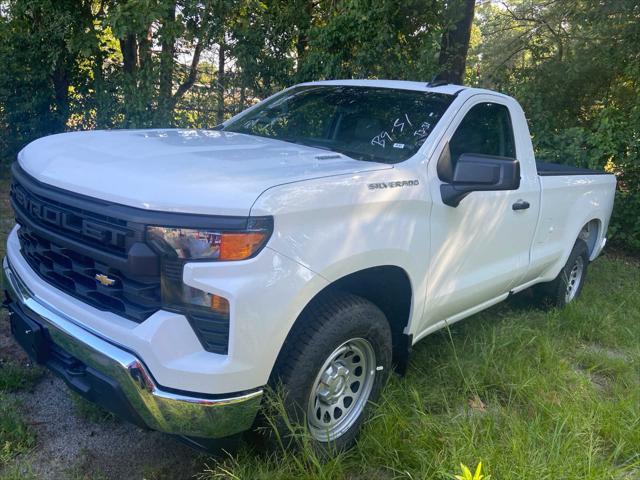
(167, 59)
(144, 48)
(455, 41)
(103, 100)
(61, 82)
(221, 83)
(129, 49)
(193, 74)
(103, 118)
(243, 98)
(302, 41)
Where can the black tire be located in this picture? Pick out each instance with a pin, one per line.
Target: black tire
(565, 288)
(324, 327)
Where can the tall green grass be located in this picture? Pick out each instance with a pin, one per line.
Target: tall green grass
(533, 394)
(16, 436)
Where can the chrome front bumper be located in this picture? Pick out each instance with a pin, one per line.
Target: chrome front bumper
(183, 413)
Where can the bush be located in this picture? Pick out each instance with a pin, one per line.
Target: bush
(624, 229)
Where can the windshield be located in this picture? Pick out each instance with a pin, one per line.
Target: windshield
(365, 123)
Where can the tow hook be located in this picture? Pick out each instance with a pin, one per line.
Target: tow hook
(138, 373)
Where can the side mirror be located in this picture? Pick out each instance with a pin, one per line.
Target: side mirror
(475, 173)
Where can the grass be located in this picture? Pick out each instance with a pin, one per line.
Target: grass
(15, 377)
(16, 436)
(17, 472)
(82, 469)
(533, 394)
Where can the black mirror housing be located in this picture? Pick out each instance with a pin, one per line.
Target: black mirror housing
(474, 172)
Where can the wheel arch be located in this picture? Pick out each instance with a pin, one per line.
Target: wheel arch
(590, 233)
(588, 229)
(386, 286)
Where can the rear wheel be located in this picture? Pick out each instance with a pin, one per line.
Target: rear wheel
(569, 282)
(333, 366)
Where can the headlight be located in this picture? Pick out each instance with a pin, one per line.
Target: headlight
(200, 244)
(207, 313)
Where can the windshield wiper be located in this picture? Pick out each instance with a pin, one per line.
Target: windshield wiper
(298, 141)
(354, 155)
(366, 157)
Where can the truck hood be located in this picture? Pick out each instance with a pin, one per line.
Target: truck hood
(193, 171)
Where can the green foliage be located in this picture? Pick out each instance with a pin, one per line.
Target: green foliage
(15, 435)
(78, 64)
(14, 377)
(575, 68)
(625, 221)
(373, 39)
(533, 394)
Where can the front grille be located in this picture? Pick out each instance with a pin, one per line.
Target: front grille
(75, 274)
(100, 231)
(69, 240)
(72, 242)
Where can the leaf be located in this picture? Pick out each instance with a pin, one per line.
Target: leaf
(477, 404)
(465, 472)
(478, 475)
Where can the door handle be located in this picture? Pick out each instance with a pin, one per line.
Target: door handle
(520, 205)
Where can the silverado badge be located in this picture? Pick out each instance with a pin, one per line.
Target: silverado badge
(104, 280)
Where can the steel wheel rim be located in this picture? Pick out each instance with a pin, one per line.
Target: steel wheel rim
(573, 279)
(341, 389)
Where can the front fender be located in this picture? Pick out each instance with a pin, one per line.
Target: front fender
(339, 225)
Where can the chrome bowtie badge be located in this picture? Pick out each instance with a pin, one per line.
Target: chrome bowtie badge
(104, 280)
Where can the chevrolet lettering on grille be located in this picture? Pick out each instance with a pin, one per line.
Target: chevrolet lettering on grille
(42, 211)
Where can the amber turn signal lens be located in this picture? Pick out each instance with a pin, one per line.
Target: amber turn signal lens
(238, 246)
(219, 305)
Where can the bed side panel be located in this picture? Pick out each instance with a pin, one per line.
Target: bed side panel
(569, 202)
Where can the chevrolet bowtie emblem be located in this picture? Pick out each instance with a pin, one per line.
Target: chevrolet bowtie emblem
(104, 280)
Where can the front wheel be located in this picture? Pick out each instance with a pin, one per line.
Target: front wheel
(341, 390)
(333, 366)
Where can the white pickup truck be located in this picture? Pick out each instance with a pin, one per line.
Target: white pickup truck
(171, 276)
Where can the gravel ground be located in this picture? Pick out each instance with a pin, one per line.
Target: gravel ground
(73, 446)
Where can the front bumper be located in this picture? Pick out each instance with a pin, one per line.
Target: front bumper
(116, 379)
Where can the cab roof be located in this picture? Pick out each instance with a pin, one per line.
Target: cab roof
(449, 89)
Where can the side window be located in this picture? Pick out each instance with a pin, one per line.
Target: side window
(486, 129)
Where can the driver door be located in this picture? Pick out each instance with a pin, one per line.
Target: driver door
(480, 248)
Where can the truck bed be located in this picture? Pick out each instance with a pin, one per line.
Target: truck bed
(546, 169)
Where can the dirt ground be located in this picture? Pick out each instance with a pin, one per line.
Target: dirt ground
(70, 446)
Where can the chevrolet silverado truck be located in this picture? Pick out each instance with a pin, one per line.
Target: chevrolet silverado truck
(173, 276)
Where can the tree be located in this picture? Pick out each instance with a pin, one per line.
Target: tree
(42, 44)
(454, 44)
(371, 38)
(575, 67)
